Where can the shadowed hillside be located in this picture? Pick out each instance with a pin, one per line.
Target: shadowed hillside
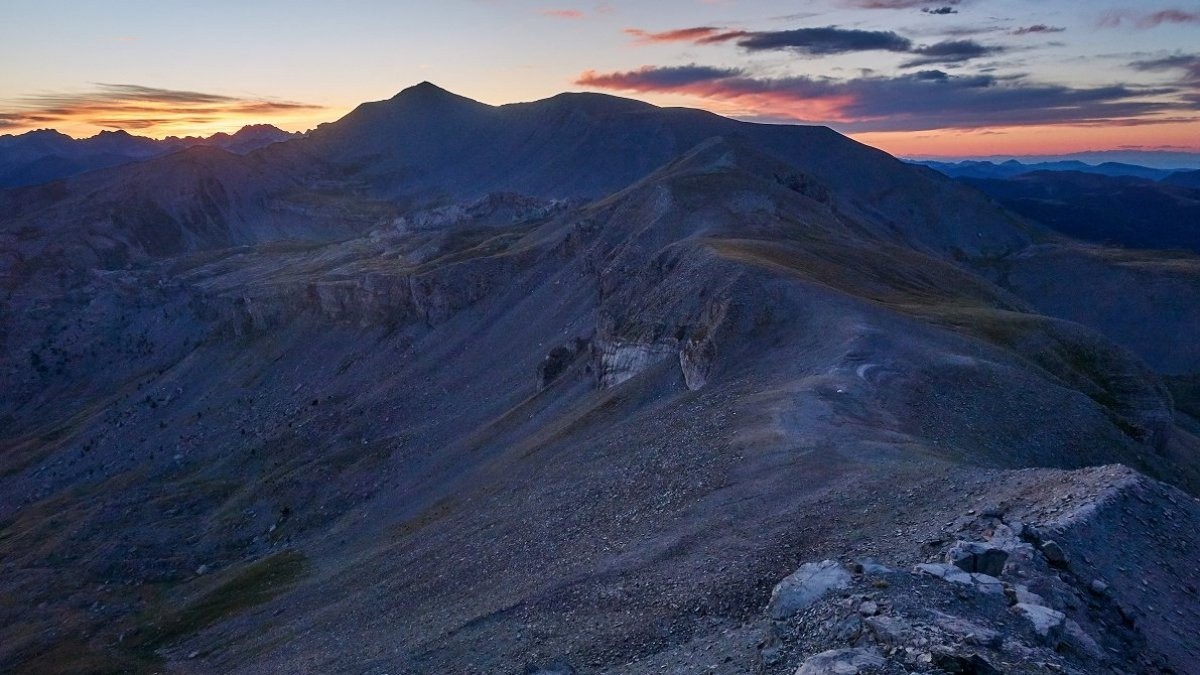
(582, 385)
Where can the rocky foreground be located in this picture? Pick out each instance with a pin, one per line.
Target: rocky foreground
(585, 386)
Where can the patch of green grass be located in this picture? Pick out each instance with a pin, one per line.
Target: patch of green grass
(440, 509)
(73, 655)
(240, 590)
(889, 275)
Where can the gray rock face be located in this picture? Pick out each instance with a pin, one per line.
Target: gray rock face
(982, 583)
(841, 662)
(1045, 620)
(805, 586)
(559, 360)
(1054, 554)
(974, 556)
(964, 664)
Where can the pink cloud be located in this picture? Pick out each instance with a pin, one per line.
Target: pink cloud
(563, 13)
(696, 34)
(1144, 20)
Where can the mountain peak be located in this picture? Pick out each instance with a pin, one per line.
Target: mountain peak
(424, 85)
(426, 91)
(39, 135)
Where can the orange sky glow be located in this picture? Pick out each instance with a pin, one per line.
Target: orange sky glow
(1006, 77)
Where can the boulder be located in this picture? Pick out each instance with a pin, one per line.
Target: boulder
(805, 586)
(983, 583)
(841, 662)
(1054, 555)
(1045, 620)
(890, 630)
(964, 664)
(974, 556)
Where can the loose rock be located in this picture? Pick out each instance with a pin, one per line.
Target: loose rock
(1045, 620)
(805, 586)
(973, 556)
(841, 662)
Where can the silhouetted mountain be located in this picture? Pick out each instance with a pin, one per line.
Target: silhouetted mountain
(45, 155)
(1184, 178)
(1012, 168)
(1124, 211)
(427, 147)
(1169, 160)
(581, 385)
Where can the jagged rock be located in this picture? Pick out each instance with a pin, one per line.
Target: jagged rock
(805, 586)
(848, 629)
(890, 630)
(841, 662)
(558, 360)
(1081, 641)
(966, 630)
(983, 583)
(1022, 594)
(962, 664)
(1045, 620)
(972, 556)
(1054, 554)
(695, 361)
(619, 360)
(869, 566)
(698, 352)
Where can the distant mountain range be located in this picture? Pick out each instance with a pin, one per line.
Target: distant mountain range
(1155, 159)
(45, 155)
(1012, 167)
(1112, 203)
(1121, 210)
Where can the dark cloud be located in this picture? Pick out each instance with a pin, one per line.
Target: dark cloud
(650, 78)
(1186, 65)
(824, 41)
(1037, 28)
(137, 107)
(950, 51)
(1188, 62)
(1144, 20)
(813, 41)
(928, 99)
(940, 10)
(126, 93)
(827, 40)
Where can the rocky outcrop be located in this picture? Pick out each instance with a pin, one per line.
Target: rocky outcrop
(693, 345)
(841, 662)
(974, 556)
(805, 586)
(1036, 614)
(559, 360)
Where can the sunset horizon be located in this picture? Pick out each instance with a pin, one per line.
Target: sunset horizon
(954, 79)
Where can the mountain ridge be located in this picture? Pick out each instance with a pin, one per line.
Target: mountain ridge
(46, 155)
(583, 385)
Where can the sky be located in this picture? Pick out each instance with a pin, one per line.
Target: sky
(940, 78)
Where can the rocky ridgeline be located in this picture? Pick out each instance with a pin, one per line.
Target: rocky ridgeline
(1003, 595)
(497, 209)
